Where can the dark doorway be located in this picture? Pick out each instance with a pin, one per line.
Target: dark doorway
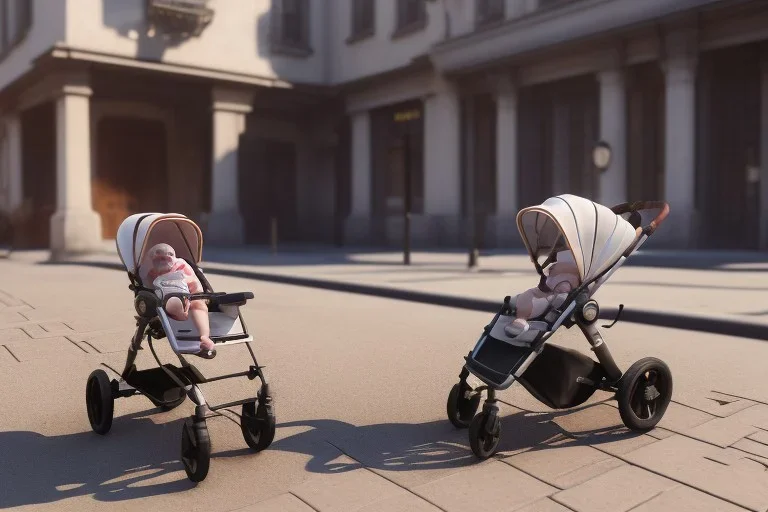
(729, 138)
(131, 170)
(38, 147)
(645, 132)
(558, 128)
(483, 133)
(267, 189)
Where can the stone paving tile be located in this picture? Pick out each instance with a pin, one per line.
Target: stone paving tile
(48, 348)
(9, 300)
(100, 322)
(757, 416)
(722, 432)
(47, 329)
(761, 436)
(718, 404)
(283, 503)
(660, 433)
(501, 487)
(589, 420)
(679, 418)
(563, 464)
(404, 503)
(544, 505)
(349, 490)
(104, 343)
(6, 358)
(11, 317)
(14, 334)
(616, 491)
(687, 499)
(708, 468)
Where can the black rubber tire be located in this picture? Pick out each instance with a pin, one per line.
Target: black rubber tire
(195, 450)
(482, 444)
(636, 412)
(258, 425)
(99, 401)
(461, 410)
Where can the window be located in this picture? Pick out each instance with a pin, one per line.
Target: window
(291, 27)
(489, 11)
(411, 16)
(363, 19)
(15, 21)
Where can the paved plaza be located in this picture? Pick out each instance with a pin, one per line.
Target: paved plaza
(360, 385)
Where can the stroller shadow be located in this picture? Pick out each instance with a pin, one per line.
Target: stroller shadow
(38, 469)
(336, 447)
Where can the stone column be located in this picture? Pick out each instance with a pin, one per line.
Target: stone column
(613, 130)
(225, 223)
(764, 148)
(14, 162)
(506, 163)
(680, 143)
(357, 228)
(75, 227)
(442, 168)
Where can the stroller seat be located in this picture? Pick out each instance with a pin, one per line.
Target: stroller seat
(226, 329)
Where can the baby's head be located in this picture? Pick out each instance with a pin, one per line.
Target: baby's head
(163, 257)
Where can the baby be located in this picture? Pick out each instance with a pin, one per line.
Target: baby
(174, 275)
(562, 277)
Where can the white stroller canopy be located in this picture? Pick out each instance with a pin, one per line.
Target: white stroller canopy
(596, 236)
(141, 231)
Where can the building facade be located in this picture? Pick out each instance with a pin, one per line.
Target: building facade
(329, 120)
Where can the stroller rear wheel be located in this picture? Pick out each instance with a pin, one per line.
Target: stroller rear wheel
(460, 409)
(195, 449)
(484, 438)
(644, 393)
(99, 401)
(258, 425)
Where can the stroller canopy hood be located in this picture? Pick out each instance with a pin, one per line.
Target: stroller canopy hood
(596, 236)
(141, 231)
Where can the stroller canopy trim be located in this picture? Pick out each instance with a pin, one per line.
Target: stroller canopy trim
(596, 236)
(141, 231)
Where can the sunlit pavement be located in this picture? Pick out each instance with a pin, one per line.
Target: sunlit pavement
(360, 387)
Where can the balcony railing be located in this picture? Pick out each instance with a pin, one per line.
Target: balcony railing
(185, 18)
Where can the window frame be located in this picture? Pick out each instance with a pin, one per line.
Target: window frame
(405, 27)
(357, 31)
(484, 16)
(23, 18)
(278, 43)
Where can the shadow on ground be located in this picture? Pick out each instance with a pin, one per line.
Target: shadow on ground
(40, 469)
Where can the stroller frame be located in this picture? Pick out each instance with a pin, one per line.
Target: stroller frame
(526, 364)
(167, 385)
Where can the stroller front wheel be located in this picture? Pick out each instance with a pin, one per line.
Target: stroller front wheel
(258, 425)
(460, 409)
(195, 449)
(99, 401)
(644, 392)
(483, 442)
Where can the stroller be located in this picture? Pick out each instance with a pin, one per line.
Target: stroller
(168, 385)
(600, 240)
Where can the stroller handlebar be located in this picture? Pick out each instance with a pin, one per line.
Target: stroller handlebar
(645, 205)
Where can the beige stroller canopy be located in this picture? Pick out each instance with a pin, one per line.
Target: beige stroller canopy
(596, 236)
(141, 231)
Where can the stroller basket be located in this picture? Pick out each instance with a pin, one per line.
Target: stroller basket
(496, 360)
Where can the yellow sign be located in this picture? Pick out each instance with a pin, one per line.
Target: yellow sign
(407, 115)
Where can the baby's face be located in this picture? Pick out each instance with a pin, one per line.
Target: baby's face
(163, 258)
